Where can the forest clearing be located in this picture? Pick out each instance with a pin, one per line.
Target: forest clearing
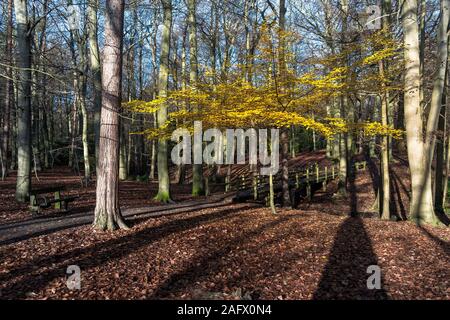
(253, 150)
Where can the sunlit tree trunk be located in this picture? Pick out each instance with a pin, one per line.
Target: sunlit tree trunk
(385, 180)
(23, 112)
(163, 167)
(123, 170)
(344, 112)
(420, 150)
(197, 171)
(107, 209)
(83, 108)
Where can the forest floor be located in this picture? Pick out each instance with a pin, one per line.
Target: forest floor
(228, 251)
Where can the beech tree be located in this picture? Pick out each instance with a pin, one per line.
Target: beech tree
(94, 58)
(9, 94)
(420, 140)
(107, 210)
(163, 167)
(23, 62)
(197, 172)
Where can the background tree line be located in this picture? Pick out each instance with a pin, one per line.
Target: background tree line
(67, 66)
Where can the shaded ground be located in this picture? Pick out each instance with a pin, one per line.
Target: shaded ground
(236, 251)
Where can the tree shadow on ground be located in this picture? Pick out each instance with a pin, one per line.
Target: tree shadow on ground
(345, 275)
(28, 277)
(214, 262)
(352, 190)
(445, 246)
(397, 206)
(24, 230)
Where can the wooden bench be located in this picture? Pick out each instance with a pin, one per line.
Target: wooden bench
(40, 199)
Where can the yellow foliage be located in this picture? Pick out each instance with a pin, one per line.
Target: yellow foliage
(278, 97)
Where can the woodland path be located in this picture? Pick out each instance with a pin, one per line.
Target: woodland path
(34, 227)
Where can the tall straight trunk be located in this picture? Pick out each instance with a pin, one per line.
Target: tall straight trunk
(284, 138)
(163, 166)
(140, 146)
(94, 59)
(43, 102)
(446, 170)
(123, 167)
(13, 140)
(248, 67)
(182, 168)
(437, 106)
(343, 154)
(385, 180)
(23, 102)
(344, 112)
(332, 109)
(197, 171)
(132, 90)
(420, 150)
(73, 161)
(9, 91)
(107, 209)
(441, 171)
(154, 96)
(78, 41)
(82, 82)
(422, 30)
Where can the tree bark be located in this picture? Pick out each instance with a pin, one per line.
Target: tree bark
(107, 209)
(197, 169)
(9, 92)
(94, 57)
(23, 102)
(284, 138)
(163, 167)
(385, 180)
(440, 173)
(437, 106)
(420, 150)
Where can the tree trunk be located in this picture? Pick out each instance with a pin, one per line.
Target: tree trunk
(163, 167)
(420, 152)
(385, 180)
(437, 106)
(9, 92)
(94, 57)
(23, 102)
(284, 131)
(107, 210)
(197, 169)
(123, 167)
(82, 82)
(440, 171)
